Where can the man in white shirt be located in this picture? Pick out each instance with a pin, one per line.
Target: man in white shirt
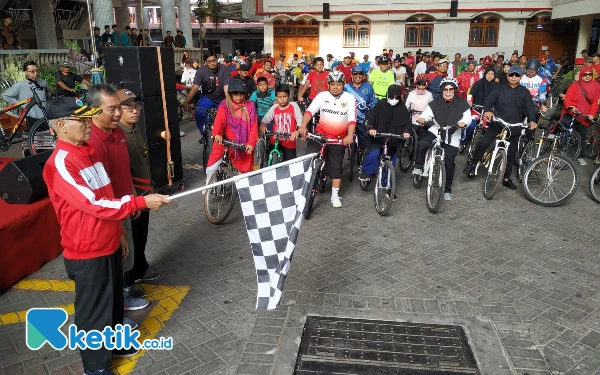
(187, 78)
(422, 66)
(399, 72)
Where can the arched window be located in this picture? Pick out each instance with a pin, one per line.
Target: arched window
(539, 24)
(484, 32)
(357, 32)
(419, 32)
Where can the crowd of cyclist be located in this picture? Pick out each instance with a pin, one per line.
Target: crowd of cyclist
(393, 95)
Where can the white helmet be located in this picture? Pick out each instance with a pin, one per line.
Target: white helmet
(336, 76)
(449, 81)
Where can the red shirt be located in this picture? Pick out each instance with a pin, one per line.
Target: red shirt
(111, 150)
(87, 209)
(285, 120)
(347, 70)
(235, 73)
(255, 67)
(318, 83)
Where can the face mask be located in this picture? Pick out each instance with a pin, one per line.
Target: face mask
(393, 102)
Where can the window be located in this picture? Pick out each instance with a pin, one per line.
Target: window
(484, 32)
(539, 24)
(419, 32)
(356, 32)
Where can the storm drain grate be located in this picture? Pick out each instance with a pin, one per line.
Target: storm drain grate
(358, 346)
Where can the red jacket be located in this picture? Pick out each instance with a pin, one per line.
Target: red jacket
(82, 195)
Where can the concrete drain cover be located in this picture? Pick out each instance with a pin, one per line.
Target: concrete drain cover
(359, 346)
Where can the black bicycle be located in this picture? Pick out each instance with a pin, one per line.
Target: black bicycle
(207, 135)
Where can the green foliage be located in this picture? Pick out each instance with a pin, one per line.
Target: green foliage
(48, 74)
(209, 8)
(71, 44)
(14, 68)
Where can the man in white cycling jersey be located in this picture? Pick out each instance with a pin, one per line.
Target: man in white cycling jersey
(338, 120)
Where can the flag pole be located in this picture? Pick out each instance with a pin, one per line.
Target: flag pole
(242, 176)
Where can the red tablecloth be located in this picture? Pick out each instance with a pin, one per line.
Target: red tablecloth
(29, 237)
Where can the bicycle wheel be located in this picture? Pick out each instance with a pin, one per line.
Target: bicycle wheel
(179, 113)
(569, 145)
(219, 201)
(385, 188)
(590, 144)
(595, 185)
(206, 150)
(435, 187)
(406, 152)
(550, 180)
(527, 156)
(474, 143)
(352, 149)
(417, 181)
(41, 138)
(493, 179)
(314, 180)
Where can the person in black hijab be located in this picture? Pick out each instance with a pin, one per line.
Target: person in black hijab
(389, 115)
(482, 88)
(502, 77)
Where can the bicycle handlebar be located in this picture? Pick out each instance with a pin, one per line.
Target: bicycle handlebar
(502, 122)
(278, 134)
(322, 139)
(388, 135)
(233, 144)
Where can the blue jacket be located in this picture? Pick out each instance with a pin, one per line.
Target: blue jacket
(365, 99)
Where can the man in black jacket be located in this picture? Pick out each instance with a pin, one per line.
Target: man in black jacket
(511, 102)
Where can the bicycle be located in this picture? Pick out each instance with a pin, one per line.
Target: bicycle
(482, 124)
(495, 158)
(385, 186)
(591, 145)
(39, 136)
(355, 155)
(595, 185)
(318, 178)
(206, 135)
(219, 200)
(435, 170)
(408, 147)
(542, 172)
(276, 156)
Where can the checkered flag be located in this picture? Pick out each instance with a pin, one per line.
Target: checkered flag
(272, 203)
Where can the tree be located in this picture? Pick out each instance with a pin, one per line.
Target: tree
(204, 9)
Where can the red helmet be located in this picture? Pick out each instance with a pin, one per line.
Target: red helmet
(543, 58)
(487, 60)
(422, 78)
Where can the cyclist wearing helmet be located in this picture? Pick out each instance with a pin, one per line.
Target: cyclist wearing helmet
(338, 119)
(511, 102)
(545, 70)
(536, 84)
(487, 62)
(445, 111)
(419, 98)
(382, 78)
(235, 121)
(365, 100)
(214, 79)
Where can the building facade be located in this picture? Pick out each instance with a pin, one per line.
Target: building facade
(478, 27)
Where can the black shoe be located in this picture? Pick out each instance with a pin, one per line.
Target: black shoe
(469, 168)
(125, 353)
(201, 140)
(509, 184)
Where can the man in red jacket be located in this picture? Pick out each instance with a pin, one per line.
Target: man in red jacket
(89, 214)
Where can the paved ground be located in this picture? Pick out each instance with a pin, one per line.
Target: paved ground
(533, 272)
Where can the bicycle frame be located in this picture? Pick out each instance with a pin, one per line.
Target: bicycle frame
(30, 103)
(276, 150)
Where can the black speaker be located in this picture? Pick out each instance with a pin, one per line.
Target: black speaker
(138, 68)
(454, 8)
(325, 11)
(21, 180)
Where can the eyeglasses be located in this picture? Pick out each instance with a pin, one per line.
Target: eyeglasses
(358, 74)
(514, 75)
(129, 108)
(33, 71)
(448, 90)
(397, 97)
(588, 74)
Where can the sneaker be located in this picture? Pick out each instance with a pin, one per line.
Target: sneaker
(469, 168)
(130, 322)
(509, 184)
(181, 134)
(336, 202)
(125, 353)
(98, 372)
(135, 291)
(417, 171)
(149, 275)
(132, 304)
(581, 161)
(447, 196)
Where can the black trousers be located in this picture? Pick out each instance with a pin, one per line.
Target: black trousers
(139, 229)
(450, 153)
(98, 300)
(488, 137)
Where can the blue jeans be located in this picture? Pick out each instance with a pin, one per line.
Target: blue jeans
(371, 161)
(469, 132)
(201, 113)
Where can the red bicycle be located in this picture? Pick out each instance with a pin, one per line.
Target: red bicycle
(318, 178)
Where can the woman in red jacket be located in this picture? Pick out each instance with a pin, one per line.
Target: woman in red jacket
(582, 97)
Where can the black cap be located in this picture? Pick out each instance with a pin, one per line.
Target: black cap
(245, 66)
(595, 54)
(394, 90)
(69, 106)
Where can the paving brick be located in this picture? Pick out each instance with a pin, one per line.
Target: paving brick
(592, 340)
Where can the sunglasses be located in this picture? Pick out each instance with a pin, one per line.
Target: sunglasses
(397, 97)
(448, 90)
(588, 74)
(514, 75)
(358, 74)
